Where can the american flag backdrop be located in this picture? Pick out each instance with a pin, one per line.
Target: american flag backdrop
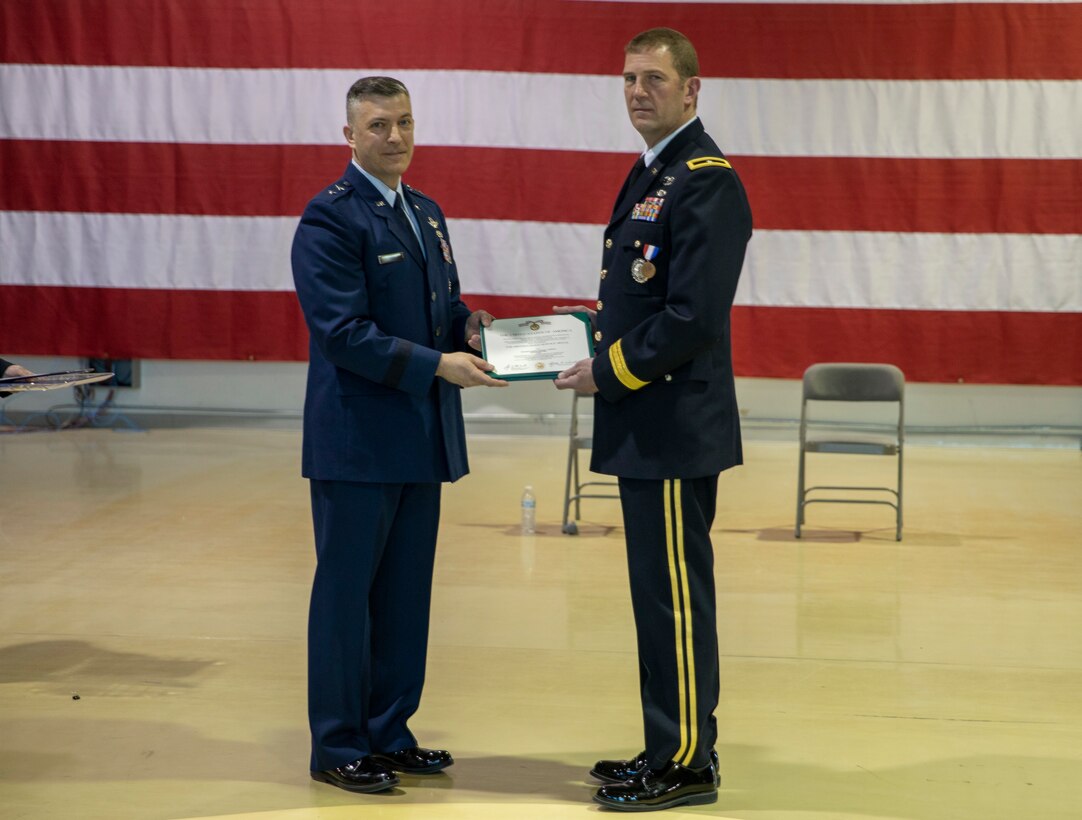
(914, 169)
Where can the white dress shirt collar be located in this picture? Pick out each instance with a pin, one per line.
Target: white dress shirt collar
(650, 154)
(390, 194)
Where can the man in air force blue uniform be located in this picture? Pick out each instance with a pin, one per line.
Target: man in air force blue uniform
(376, 279)
(665, 412)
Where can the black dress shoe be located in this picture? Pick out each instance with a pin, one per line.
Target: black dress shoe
(675, 785)
(364, 775)
(618, 771)
(415, 760)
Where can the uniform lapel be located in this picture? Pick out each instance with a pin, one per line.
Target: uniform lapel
(404, 233)
(383, 209)
(633, 191)
(433, 251)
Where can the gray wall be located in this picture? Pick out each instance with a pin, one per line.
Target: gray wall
(187, 392)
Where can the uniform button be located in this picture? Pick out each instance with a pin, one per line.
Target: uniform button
(439, 330)
(638, 244)
(604, 273)
(597, 335)
(668, 378)
(433, 296)
(600, 304)
(608, 243)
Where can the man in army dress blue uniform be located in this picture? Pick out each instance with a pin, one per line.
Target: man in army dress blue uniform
(665, 412)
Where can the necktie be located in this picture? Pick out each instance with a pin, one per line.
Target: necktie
(632, 177)
(404, 221)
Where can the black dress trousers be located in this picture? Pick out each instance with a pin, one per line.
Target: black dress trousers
(671, 567)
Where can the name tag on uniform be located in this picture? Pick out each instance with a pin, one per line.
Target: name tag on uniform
(384, 258)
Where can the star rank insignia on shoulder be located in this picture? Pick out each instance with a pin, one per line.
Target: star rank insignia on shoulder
(340, 187)
(707, 162)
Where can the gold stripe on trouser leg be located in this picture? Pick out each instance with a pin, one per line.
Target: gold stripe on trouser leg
(685, 653)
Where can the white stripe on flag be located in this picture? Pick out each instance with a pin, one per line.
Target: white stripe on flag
(968, 118)
(926, 271)
(1006, 272)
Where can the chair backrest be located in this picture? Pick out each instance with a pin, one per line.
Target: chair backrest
(847, 381)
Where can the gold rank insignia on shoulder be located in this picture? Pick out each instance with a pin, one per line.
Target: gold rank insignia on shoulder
(707, 162)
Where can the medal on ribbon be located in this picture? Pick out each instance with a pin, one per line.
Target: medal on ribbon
(643, 268)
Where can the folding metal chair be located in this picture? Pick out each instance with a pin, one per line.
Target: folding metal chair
(846, 382)
(578, 442)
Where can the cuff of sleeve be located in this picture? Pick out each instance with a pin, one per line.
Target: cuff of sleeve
(412, 368)
(621, 370)
(613, 377)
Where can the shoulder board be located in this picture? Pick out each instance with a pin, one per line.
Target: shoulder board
(413, 190)
(707, 162)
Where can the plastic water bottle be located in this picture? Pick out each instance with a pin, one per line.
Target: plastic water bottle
(529, 511)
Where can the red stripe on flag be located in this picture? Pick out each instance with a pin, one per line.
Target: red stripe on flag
(985, 347)
(165, 178)
(787, 193)
(797, 40)
(929, 346)
(128, 323)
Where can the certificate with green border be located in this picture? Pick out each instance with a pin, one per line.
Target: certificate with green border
(536, 347)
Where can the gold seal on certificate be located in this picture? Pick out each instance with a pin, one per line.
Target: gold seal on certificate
(536, 347)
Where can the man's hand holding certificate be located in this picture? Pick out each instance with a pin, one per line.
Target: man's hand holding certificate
(537, 347)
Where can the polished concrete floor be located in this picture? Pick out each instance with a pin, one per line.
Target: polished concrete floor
(153, 596)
